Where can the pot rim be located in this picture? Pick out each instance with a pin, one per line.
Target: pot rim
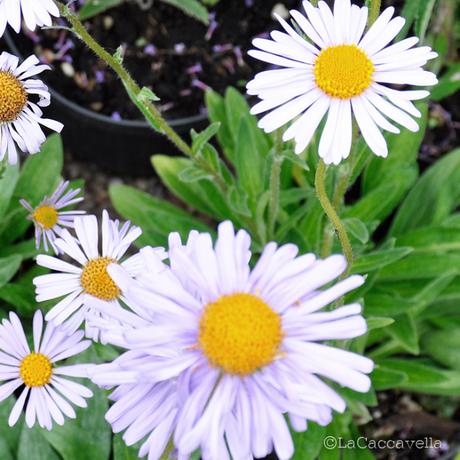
(175, 122)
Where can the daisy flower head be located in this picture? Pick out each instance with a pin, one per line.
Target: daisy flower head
(47, 391)
(87, 276)
(331, 66)
(48, 216)
(234, 348)
(35, 13)
(20, 117)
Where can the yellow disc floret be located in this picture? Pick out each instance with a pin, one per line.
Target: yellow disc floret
(46, 216)
(343, 71)
(95, 279)
(13, 97)
(36, 370)
(240, 333)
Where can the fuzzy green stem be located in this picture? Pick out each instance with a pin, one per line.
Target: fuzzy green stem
(374, 11)
(131, 86)
(275, 184)
(320, 186)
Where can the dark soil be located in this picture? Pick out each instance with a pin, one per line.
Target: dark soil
(163, 49)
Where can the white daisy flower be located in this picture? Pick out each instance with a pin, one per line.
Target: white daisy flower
(230, 350)
(34, 12)
(47, 392)
(340, 71)
(88, 276)
(48, 217)
(20, 118)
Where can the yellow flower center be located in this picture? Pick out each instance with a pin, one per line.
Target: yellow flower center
(13, 97)
(36, 370)
(240, 333)
(46, 216)
(95, 279)
(343, 71)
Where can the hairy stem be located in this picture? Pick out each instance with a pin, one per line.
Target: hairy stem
(320, 186)
(132, 87)
(275, 185)
(374, 11)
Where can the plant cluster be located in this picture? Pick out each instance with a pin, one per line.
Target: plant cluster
(312, 265)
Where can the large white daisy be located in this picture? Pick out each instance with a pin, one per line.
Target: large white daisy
(332, 67)
(34, 12)
(20, 118)
(229, 350)
(47, 392)
(88, 277)
(48, 216)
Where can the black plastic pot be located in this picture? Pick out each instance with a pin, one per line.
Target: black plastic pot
(119, 146)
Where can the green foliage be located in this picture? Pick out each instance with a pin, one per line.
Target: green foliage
(37, 178)
(403, 227)
(193, 8)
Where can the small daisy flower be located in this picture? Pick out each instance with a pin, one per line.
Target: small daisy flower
(46, 392)
(20, 118)
(48, 217)
(231, 350)
(88, 276)
(35, 13)
(341, 71)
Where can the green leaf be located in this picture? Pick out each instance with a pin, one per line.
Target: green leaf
(378, 322)
(199, 140)
(33, 445)
(248, 162)
(417, 373)
(156, 217)
(403, 153)
(89, 432)
(425, 10)
(295, 159)
(147, 95)
(432, 239)
(92, 8)
(238, 201)
(380, 202)
(432, 198)
(385, 379)
(432, 290)
(236, 108)
(142, 103)
(121, 451)
(409, 13)
(378, 259)
(217, 114)
(8, 268)
(382, 304)
(443, 346)
(404, 332)
(39, 177)
(19, 296)
(203, 196)
(8, 182)
(448, 84)
(10, 435)
(25, 249)
(357, 229)
(192, 8)
(308, 444)
(194, 174)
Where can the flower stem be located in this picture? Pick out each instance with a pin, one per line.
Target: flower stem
(275, 184)
(320, 186)
(374, 11)
(148, 108)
